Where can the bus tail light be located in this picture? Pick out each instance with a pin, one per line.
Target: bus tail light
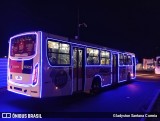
(35, 75)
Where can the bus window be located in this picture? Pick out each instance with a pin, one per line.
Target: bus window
(58, 53)
(92, 56)
(105, 57)
(23, 46)
(129, 60)
(125, 59)
(121, 59)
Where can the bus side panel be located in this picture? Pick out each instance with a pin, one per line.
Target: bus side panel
(102, 71)
(130, 70)
(105, 73)
(56, 80)
(122, 73)
(36, 90)
(43, 59)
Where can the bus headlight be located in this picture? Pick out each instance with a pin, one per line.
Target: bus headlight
(35, 75)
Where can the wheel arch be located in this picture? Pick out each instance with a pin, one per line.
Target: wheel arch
(97, 79)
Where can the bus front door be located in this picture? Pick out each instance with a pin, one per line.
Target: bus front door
(115, 69)
(78, 69)
(134, 64)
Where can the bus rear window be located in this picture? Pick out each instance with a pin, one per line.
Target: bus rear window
(23, 46)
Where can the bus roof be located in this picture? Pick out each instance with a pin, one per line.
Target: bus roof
(75, 41)
(84, 43)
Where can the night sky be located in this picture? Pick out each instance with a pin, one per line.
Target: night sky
(124, 25)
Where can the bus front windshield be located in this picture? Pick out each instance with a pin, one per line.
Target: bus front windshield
(23, 46)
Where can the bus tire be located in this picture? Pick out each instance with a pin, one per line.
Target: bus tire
(96, 85)
(129, 76)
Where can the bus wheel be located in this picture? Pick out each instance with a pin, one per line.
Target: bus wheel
(96, 85)
(129, 76)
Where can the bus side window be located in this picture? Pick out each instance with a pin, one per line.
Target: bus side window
(52, 58)
(90, 61)
(92, 56)
(105, 57)
(58, 53)
(121, 59)
(96, 60)
(63, 59)
(129, 60)
(125, 59)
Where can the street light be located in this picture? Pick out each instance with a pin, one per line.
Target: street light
(84, 24)
(79, 25)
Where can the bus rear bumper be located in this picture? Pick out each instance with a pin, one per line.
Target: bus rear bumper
(27, 90)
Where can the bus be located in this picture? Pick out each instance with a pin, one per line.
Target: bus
(157, 65)
(148, 64)
(45, 65)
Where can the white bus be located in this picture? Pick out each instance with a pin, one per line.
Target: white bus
(45, 65)
(157, 65)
